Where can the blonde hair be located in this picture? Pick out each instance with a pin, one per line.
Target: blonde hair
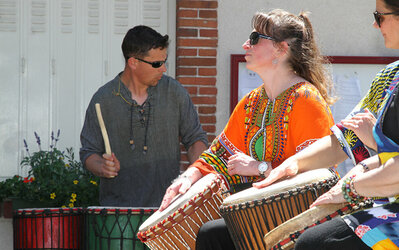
(304, 55)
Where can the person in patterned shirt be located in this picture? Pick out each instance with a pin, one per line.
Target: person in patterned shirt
(285, 114)
(371, 126)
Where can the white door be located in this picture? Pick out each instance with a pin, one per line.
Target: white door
(54, 54)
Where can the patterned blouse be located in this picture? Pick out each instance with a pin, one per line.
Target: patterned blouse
(374, 101)
(269, 130)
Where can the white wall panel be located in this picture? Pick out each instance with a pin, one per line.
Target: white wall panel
(10, 88)
(65, 102)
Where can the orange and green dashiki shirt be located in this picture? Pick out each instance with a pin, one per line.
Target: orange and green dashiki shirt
(269, 130)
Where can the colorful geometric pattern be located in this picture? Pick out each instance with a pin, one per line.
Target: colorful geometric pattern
(378, 227)
(260, 128)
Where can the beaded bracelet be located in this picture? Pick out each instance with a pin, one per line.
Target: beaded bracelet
(350, 193)
(365, 167)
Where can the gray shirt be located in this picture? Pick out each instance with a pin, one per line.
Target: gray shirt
(143, 177)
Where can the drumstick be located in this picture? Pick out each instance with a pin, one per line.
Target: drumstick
(103, 131)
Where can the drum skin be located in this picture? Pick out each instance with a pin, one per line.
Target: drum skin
(48, 228)
(114, 228)
(251, 213)
(177, 226)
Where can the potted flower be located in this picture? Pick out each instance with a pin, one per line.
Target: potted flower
(55, 179)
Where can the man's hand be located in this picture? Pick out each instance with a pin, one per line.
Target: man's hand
(110, 167)
(106, 166)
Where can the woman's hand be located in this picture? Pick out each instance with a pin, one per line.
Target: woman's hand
(334, 195)
(362, 124)
(286, 169)
(243, 165)
(179, 186)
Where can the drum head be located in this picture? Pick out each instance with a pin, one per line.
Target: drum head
(179, 201)
(253, 194)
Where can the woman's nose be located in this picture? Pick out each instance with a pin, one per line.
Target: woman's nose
(246, 45)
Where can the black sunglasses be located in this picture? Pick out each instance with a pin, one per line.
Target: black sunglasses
(155, 64)
(377, 16)
(254, 37)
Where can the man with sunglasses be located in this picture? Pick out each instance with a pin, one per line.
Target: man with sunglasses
(145, 113)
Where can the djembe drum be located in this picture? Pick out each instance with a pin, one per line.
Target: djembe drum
(251, 213)
(285, 235)
(177, 226)
(114, 228)
(48, 228)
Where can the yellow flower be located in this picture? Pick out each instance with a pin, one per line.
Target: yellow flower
(70, 204)
(67, 165)
(63, 206)
(52, 196)
(93, 182)
(73, 195)
(75, 182)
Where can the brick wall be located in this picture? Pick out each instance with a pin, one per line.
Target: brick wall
(196, 50)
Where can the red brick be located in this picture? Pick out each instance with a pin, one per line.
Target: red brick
(208, 14)
(186, 52)
(207, 52)
(192, 90)
(208, 91)
(197, 81)
(211, 137)
(187, 13)
(196, 23)
(209, 128)
(197, 42)
(196, 61)
(204, 100)
(207, 71)
(186, 71)
(208, 33)
(207, 119)
(207, 109)
(197, 4)
(187, 33)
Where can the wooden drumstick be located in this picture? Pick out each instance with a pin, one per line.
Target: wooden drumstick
(103, 131)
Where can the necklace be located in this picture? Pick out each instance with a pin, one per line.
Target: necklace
(144, 117)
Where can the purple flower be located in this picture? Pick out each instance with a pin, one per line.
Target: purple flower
(38, 140)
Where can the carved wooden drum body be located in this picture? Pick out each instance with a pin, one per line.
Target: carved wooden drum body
(177, 226)
(251, 213)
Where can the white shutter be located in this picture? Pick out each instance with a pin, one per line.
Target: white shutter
(12, 65)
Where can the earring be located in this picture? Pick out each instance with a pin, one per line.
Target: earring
(275, 61)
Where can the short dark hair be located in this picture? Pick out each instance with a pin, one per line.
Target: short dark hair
(141, 39)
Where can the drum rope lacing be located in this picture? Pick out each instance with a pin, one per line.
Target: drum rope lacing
(270, 212)
(182, 219)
